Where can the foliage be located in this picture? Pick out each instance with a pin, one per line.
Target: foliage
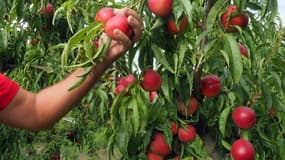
(122, 125)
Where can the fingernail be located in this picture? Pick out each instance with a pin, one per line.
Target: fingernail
(116, 32)
(131, 19)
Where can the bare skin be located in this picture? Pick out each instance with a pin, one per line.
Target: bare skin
(38, 111)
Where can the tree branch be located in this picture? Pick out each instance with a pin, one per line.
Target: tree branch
(201, 127)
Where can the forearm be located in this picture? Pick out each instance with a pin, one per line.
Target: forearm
(55, 101)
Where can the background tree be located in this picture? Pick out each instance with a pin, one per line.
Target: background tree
(41, 41)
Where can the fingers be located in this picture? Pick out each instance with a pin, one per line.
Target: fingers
(128, 12)
(134, 21)
(122, 38)
(137, 28)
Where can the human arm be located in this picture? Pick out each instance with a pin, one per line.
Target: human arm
(35, 111)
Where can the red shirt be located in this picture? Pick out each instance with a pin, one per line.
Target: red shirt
(8, 90)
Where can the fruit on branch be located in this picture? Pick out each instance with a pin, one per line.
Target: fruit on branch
(48, 10)
(119, 22)
(174, 128)
(232, 18)
(152, 95)
(174, 28)
(211, 85)
(127, 80)
(119, 88)
(242, 150)
(244, 117)
(160, 8)
(192, 106)
(104, 14)
(151, 80)
(187, 133)
(158, 145)
(124, 82)
(243, 50)
(153, 156)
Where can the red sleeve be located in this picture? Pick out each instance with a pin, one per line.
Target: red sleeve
(8, 90)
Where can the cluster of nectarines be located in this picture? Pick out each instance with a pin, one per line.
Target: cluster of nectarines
(232, 19)
(244, 117)
(112, 21)
(159, 149)
(163, 8)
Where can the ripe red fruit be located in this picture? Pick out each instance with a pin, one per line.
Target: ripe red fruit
(49, 9)
(211, 85)
(119, 88)
(151, 80)
(160, 8)
(104, 14)
(174, 28)
(159, 146)
(192, 106)
(244, 117)
(34, 41)
(153, 156)
(243, 50)
(127, 80)
(124, 82)
(152, 95)
(242, 150)
(187, 134)
(174, 128)
(119, 22)
(231, 18)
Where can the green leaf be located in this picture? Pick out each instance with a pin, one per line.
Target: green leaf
(223, 119)
(123, 140)
(3, 40)
(226, 56)
(233, 50)
(3, 9)
(82, 78)
(214, 12)
(267, 94)
(276, 80)
(281, 146)
(226, 145)
(165, 87)
(188, 9)
(135, 116)
(272, 9)
(161, 58)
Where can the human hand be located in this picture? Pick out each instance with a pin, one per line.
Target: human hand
(122, 42)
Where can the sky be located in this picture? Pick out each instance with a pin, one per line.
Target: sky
(281, 5)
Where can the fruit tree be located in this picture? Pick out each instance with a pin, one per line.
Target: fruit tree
(205, 81)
